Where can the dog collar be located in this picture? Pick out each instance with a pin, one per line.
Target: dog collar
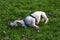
(26, 25)
(25, 22)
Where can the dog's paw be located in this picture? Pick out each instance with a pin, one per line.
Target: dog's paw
(38, 31)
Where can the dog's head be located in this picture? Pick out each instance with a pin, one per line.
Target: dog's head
(16, 23)
(12, 24)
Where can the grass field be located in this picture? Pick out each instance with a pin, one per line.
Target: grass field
(17, 9)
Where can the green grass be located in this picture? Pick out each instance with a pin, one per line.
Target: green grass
(17, 9)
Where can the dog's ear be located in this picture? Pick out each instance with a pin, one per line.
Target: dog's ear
(19, 24)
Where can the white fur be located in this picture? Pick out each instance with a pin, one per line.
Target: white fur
(31, 21)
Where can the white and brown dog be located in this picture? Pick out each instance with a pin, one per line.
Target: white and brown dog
(31, 20)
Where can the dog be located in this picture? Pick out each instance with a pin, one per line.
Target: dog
(31, 20)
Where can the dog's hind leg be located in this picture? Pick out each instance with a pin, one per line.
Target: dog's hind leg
(34, 25)
(45, 17)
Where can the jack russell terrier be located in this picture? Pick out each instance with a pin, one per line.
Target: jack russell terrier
(31, 20)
